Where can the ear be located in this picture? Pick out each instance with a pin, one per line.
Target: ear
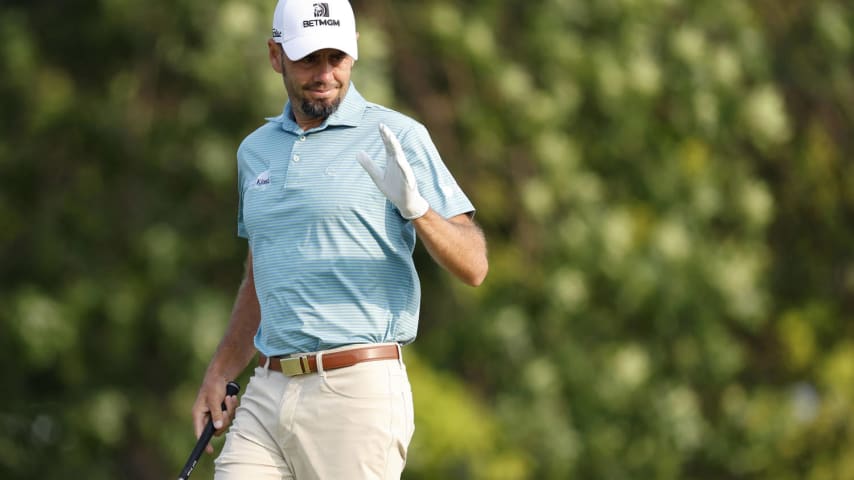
(275, 53)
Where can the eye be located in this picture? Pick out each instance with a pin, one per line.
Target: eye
(308, 59)
(337, 58)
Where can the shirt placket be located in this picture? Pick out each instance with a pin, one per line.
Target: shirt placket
(296, 163)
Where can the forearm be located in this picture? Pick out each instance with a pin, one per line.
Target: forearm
(457, 244)
(237, 347)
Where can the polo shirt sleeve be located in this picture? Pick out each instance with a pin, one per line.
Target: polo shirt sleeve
(241, 188)
(435, 182)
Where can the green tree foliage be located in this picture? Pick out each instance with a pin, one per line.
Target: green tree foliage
(666, 186)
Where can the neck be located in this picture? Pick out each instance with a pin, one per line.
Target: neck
(308, 123)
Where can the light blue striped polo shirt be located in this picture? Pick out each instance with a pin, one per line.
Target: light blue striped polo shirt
(332, 257)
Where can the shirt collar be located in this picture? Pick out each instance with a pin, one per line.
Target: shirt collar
(348, 114)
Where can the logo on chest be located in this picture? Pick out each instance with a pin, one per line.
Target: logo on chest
(263, 179)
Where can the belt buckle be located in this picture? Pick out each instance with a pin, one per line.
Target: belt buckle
(294, 366)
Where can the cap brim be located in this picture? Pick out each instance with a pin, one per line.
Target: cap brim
(299, 47)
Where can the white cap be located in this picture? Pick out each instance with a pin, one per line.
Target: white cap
(305, 26)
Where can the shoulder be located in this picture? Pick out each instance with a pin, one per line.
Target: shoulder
(376, 114)
(266, 136)
(405, 127)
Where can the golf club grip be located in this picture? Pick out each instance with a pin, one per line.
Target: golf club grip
(231, 389)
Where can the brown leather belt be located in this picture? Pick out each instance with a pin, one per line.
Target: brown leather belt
(302, 364)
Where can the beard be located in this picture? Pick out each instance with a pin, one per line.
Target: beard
(319, 109)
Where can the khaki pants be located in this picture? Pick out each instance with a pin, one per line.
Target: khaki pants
(351, 423)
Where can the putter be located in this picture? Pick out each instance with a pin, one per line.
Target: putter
(231, 389)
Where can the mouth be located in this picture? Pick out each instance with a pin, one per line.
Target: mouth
(322, 92)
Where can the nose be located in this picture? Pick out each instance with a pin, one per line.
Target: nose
(324, 71)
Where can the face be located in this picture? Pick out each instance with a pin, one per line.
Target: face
(316, 84)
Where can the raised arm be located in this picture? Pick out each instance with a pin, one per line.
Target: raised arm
(457, 244)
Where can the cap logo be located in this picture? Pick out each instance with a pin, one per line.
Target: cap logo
(321, 10)
(321, 17)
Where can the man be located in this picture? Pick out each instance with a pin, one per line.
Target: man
(333, 193)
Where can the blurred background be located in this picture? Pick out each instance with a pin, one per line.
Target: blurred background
(666, 187)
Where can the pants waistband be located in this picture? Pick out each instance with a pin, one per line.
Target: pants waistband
(302, 364)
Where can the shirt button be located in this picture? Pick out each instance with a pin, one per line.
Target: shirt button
(296, 158)
(302, 138)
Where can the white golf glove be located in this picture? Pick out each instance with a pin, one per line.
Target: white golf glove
(397, 182)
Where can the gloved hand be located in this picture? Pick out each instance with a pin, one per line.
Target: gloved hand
(397, 182)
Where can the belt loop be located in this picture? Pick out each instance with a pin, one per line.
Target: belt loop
(266, 366)
(319, 359)
(400, 355)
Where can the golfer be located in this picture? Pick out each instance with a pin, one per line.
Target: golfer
(332, 196)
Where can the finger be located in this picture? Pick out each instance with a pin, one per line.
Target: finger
(392, 144)
(216, 414)
(220, 419)
(406, 171)
(228, 414)
(231, 403)
(368, 164)
(395, 150)
(200, 418)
